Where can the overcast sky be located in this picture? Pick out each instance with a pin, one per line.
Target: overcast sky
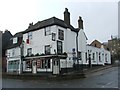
(100, 16)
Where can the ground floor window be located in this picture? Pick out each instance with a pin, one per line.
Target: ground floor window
(28, 64)
(79, 55)
(100, 57)
(93, 56)
(86, 57)
(14, 65)
(106, 58)
(43, 63)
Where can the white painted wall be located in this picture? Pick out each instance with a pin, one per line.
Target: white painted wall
(39, 40)
(16, 51)
(102, 52)
(82, 45)
(14, 57)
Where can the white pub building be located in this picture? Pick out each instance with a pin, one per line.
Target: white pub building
(51, 46)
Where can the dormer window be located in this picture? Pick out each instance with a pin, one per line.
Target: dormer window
(15, 40)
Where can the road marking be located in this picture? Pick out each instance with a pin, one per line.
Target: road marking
(103, 86)
(107, 84)
(115, 87)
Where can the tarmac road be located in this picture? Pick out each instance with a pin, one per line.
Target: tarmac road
(107, 78)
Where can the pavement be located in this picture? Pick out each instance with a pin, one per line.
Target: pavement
(96, 69)
(70, 75)
(93, 69)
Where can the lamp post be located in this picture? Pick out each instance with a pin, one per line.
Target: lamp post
(74, 57)
(89, 58)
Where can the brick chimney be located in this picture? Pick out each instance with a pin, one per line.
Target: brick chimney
(66, 16)
(30, 25)
(80, 22)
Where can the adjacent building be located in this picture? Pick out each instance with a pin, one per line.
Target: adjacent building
(14, 54)
(5, 42)
(114, 47)
(97, 56)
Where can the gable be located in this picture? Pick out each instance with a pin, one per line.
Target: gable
(96, 43)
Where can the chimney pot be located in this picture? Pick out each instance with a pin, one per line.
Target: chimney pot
(67, 16)
(66, 9)
(80, 22)
(30, 24)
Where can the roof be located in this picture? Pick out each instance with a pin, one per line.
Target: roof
(14, 45)
(19, 41)
(96, 41)
(19, 34)
(6, 36)
(48, 22)
(85, 36)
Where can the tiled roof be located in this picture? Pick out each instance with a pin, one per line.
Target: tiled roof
(19, 35)
(48, 22)
(6, 36)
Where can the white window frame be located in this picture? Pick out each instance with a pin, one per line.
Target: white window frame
(29, 51)
(15, 39)
(29, 35)
(60, 34)
(47, 31)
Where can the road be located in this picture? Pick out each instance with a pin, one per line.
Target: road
(107, 78)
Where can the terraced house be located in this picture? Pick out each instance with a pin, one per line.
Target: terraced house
(50, 46)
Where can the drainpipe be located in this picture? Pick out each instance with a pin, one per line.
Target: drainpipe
(77, 50)
(21, 51)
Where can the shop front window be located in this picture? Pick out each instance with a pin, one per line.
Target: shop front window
(29, 64)
(13, 65)
(43, 63)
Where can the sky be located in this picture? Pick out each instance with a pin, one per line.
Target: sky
(100, 17)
